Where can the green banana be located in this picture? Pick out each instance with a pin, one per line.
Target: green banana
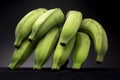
(102, 53)
(45, 22)
(21, 54)
(24, 27)
(61, 54)
(81, 49)
(98, 35)
(70, 27)
(45, 47)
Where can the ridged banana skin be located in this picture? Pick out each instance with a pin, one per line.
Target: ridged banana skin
(101, 55)
(98, 35)
(45, 47)
(81, 49)
(21, 54)
(45, 22)
(61, 54)
(70, 27)
(24, 27)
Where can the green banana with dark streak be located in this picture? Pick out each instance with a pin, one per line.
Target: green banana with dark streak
(24, 26)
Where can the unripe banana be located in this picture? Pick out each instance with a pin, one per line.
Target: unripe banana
(98, 35)
(45, 47)
(24, 27)
(70, 27)
(102, 53)
(21, 54)
(81, 49)
(45, 22)
(61, 54)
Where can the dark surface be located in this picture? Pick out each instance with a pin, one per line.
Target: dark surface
(63, 74)
(107, 13)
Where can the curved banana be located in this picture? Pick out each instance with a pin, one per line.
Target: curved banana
(21, 54)
(81, 49)
(45, 22)
(61, 54)
(98, 35)
(101, 54)
(45, 47)
(70, 27)
(24, 27)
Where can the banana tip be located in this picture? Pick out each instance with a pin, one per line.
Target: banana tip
(30, 40)
(98, 62)
(62, 44)
(16, 46)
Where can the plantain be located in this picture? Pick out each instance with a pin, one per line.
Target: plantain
(45, 47)
(98, 35)
(21, 54)
(81, 50)
(45, 22)
(24, 26)
(70, 27)
(61, 54)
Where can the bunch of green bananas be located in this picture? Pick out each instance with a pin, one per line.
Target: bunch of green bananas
(40, 32)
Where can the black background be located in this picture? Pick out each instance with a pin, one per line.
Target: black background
(11, 11)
